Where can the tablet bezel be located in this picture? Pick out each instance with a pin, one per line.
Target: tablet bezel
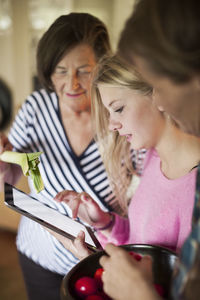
(9, 202)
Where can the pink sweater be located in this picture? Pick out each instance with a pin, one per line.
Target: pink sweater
(160, 211)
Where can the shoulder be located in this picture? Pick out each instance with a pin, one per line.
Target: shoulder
(39, 101)
(40, 96)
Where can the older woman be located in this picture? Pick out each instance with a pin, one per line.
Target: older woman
(56, 120)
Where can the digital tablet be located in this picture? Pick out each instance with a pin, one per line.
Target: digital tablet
(49, 217)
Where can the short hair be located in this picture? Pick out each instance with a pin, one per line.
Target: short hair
(67, 32)
(166, 34)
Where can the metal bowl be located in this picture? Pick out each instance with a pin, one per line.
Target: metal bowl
(163, 265)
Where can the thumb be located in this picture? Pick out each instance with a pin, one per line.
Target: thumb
(90, 204)
(81, 237)
(86, 199)
(80, 245)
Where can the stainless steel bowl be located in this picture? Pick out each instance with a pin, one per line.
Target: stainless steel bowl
(163, 265)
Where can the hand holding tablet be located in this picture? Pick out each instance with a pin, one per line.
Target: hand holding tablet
(52, 219)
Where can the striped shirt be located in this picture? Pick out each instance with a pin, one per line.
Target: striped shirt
(38, 127)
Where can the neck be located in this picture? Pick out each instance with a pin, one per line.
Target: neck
(179, 152)
(74, 113)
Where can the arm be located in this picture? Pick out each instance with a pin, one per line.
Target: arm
(137, 276)
(8, 172)
(110, 228)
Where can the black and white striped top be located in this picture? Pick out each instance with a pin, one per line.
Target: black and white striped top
(38, 127)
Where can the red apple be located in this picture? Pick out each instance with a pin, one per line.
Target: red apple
(85, 286)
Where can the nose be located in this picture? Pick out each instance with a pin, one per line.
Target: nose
(72, 82)
(114, 125)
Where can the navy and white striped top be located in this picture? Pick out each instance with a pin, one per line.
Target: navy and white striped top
(38, 127)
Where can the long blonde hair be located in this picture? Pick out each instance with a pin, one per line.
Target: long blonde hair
(114, 149)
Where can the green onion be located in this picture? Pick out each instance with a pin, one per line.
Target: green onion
(29, 164)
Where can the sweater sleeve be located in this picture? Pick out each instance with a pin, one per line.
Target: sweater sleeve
(119, 234)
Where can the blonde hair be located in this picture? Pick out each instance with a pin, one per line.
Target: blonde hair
(114, 149)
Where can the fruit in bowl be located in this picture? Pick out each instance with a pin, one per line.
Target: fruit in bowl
(89, 288)
(88, 272)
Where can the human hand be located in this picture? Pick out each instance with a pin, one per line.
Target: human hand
(125, 278)
(84, 207)
(77, 247)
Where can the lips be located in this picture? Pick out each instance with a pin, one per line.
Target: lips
(128, 137)
(75, 95)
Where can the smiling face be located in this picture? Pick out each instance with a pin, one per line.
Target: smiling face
(72, 78)
(180, 101)
(133, 115)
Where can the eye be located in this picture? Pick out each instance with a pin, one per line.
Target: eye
(119, 110)
(60, 71)
(84, 72)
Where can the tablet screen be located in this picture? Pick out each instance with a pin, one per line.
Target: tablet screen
(49, 217)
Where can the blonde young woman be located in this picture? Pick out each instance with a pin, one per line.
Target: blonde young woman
(161, 209)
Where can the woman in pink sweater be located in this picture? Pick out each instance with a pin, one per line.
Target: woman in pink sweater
(160, 211)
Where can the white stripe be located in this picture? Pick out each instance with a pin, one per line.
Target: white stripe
(98, 178)
(32, 239)
(92, 165)
(89, 158)
(95, 172)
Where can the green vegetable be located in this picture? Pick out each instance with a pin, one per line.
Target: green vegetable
(29, 164)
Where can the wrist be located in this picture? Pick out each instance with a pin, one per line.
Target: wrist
(107, 225)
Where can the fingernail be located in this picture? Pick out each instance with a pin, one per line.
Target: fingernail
(81, 233)
(85, 198)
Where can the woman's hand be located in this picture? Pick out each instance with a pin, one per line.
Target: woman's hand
(77, 247)
(84, 207)
(125, 278)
